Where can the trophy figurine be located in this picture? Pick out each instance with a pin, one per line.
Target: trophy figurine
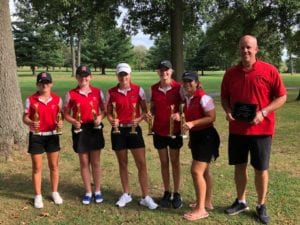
(78, 118)
(182, 121)
(58, 119)
(94, 113)
(133, 131)
(171, 134)
(150, 122)
(114, 114)
(36, 118)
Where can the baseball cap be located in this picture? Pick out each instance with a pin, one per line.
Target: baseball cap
(123, 67)
(164, 63)
(189, 76)
(44, 77)
(83, 71)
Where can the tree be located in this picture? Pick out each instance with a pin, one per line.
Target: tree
(12, 130)
(140, 57)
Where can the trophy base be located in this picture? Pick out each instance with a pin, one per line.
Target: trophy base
(172, 136)
(116, 132)
(37, 133)
(132, 132)
(150, 133)
(77, 131)
(99, 127)
(184, 136)
(59, 133)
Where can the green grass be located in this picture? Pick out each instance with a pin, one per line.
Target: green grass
(283, 197)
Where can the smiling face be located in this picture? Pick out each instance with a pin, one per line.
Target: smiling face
(165, 73)
(124, 79)
(44, 87)
(83, 81)
(248, 50)
(190, 86)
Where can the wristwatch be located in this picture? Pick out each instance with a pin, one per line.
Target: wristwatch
(264, 112)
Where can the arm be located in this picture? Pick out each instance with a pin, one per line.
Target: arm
(67, 113)
(227, 109)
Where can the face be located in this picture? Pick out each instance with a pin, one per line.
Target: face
(124, 79)
(83, 80)
(44, 87)
(190, 86)
(248, 49)
(165, 73)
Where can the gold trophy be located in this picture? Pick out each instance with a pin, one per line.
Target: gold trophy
(114, 114)
(58, 119)
(78, 118)
(133, 131)
(36, 118)
(94, 113)
(171, 134)
(182, 121)
(150, 122)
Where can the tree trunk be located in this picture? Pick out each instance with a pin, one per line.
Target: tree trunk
(13, 132)
(298, 98)
(103, 69)
(33, 70)
(177, 39)
(73, 56)
(79, 52)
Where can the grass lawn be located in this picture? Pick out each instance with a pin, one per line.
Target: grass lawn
(16, 191)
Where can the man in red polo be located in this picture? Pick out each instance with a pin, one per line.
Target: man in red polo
(250, 93)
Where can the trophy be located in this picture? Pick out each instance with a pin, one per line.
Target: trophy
(182, 121)
(150, 122)
(94, 113)
(78, 118)
(58, 119)
(36, 118)
(244, 111)
(133, 131)
(114, 114)
(171, 134)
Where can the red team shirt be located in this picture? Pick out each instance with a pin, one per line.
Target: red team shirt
(47, 111)
(124, 100)
(162, 101)
(258, 86)
(94, 98)
(196, 106)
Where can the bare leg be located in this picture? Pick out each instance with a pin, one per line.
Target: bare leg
(208, 197)
(85, 171)
(37, 161)
(164, 167)
(261, 184)
(241, 177)
(175, 160)
(140, 161)
(96, 169)
(123, 169)
(53, 158)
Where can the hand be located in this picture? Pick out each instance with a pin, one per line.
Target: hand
(97, 122)
(229, 117)
(60, 124)
(175, 116)
(258, 118)
(76, 124)
(36, 125)
(114, 122)
(187, 126)
(148, 117)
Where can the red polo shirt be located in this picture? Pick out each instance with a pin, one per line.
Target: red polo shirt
(94, 98)
(124, 100)
(162, 100)
(47, 111)
(194, 110)
(259, 86)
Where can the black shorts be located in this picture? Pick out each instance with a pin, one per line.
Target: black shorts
(126, 140)
(161, 142)
(205, 144)
(40, 144)
(89, 139)
(259, 147)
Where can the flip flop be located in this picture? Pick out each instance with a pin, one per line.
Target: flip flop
(191, 217)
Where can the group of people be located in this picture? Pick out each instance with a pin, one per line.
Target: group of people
(250, 93)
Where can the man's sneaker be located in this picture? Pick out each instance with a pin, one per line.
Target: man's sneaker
(165, 200)
(123, 200)
(57, 198)
(38, 202)
(236, 208)
(176, 201)
(148, 202)
(262, 214)
(98, 198)
(87, 199)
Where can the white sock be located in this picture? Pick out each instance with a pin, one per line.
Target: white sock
(97, 192)
(88, 194)
(242, 201)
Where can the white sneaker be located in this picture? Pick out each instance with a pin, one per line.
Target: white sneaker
(148, 202)
(57, 198)
(123, 200)
(38, 202)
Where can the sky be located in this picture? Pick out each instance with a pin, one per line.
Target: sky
(139, 39)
